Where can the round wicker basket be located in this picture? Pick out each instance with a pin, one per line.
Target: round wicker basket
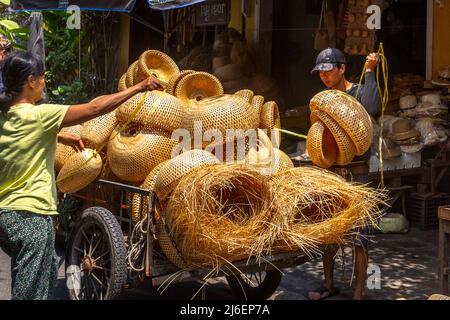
(63, 152)
(123, 82)
(270, 119)
(158, 64)
(245, 94)
(80, 170)
(175, 169)
(96, 132)
(269, 161)
(321, 146)
(132, 156)
(173, 82)
(198, 86)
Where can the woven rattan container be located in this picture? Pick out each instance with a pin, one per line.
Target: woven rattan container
(96, 132)
(257, 103)
(245, 94)
(158, 64)
(63, 152)
(173, 82)
(349, 114)
(175, 169)
(198, 86)
(270, 119)
(222, 113)
(148, 184)
(80, 170)
(160, 111)
(321, 146)
(123, 82)
(133, 156)
(269, 161)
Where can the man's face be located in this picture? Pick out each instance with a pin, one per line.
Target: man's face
(333, 77)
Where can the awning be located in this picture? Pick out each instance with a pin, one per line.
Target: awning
(171, 4)
(98, 5)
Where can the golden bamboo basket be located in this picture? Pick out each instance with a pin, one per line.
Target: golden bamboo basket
(132, 156)
(246, 94)
(175, 169)
(158, 64)
(80, 170)
(173, 82)
(123, 82)
(349, 114)
(220, 114)
(257, 104)
(198, 86)
(270, 119)
(321, 146)
(96, 132)
(64, 152)
(148, 184)
(159, 111)
(269, 161)
(133, 75)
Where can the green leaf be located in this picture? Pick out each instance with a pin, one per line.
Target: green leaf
(9, 24)
(5, 2)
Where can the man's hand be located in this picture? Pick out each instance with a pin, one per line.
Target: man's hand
(151, 83)
(70, 139)
(372, 61)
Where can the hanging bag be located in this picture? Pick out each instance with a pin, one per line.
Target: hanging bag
(321, 34)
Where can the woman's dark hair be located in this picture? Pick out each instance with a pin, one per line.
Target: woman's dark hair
(16, 69)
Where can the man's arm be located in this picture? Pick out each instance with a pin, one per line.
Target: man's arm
(370, 97)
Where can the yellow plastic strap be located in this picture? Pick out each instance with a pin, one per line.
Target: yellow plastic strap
(291, 133)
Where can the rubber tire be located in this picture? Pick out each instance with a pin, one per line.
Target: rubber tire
(106, 220)
(264, 291)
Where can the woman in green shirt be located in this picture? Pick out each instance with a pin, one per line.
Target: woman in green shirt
(28, 137)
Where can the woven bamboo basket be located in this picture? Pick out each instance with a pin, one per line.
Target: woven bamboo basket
(198, 86)
(63, 152)
(123, 82)
(270, 119)
(158, 64)
(149, 184)
(216, 216)
(96, 132)
(131, 74)
(269, 161)
(175, 169)
(321, 146)
(221, 113)
(257, 104)
(80, 170)
(349, 114)
(160, 111)
(132, 156)
(245, 94)
(173, 82)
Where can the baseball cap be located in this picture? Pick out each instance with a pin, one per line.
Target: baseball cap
(328, 59)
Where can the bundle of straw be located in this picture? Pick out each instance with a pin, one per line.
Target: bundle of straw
(217, 214)
(321, 206)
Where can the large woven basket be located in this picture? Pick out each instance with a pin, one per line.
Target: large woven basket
(123, 82)
(139, 206)
(270, 119)
(160, 111)
(173, 82)
(175, 169)
(80, 170)
(257, 104)
(321, 146)
(198, 86)
(269, 161)
(133, 156)
(63, 152)
(96, 132)
(222, 113)
(158, 64)
(245, 94)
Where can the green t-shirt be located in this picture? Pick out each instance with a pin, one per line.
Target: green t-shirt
(28, 137)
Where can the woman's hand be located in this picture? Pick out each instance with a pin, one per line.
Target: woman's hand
(71, 139)
(372, 61)
(151, 83)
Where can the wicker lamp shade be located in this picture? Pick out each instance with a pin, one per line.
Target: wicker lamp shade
(148, 184)
(63, 152)
(79, 171)
(348, 122)
(160, 111)
(158, 64)
(133, 157)
(270, 119)
(175, 169)
(123, 82)
(96, 132)
(173, 82)
(198, 86)
(222, 113)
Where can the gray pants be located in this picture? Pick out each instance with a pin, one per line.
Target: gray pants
(30, 241)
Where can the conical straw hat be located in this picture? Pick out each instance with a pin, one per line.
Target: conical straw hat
(198, 86)
(80, 170)
(63, 152)
(175, 169)
(159, 111)
(96, 132)
(158, 64)
(173, 82)
(133, 156)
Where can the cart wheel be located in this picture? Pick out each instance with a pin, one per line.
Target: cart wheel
(259, 285)
(96, 266)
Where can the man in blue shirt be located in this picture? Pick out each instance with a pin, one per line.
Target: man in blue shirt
(331, 64)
